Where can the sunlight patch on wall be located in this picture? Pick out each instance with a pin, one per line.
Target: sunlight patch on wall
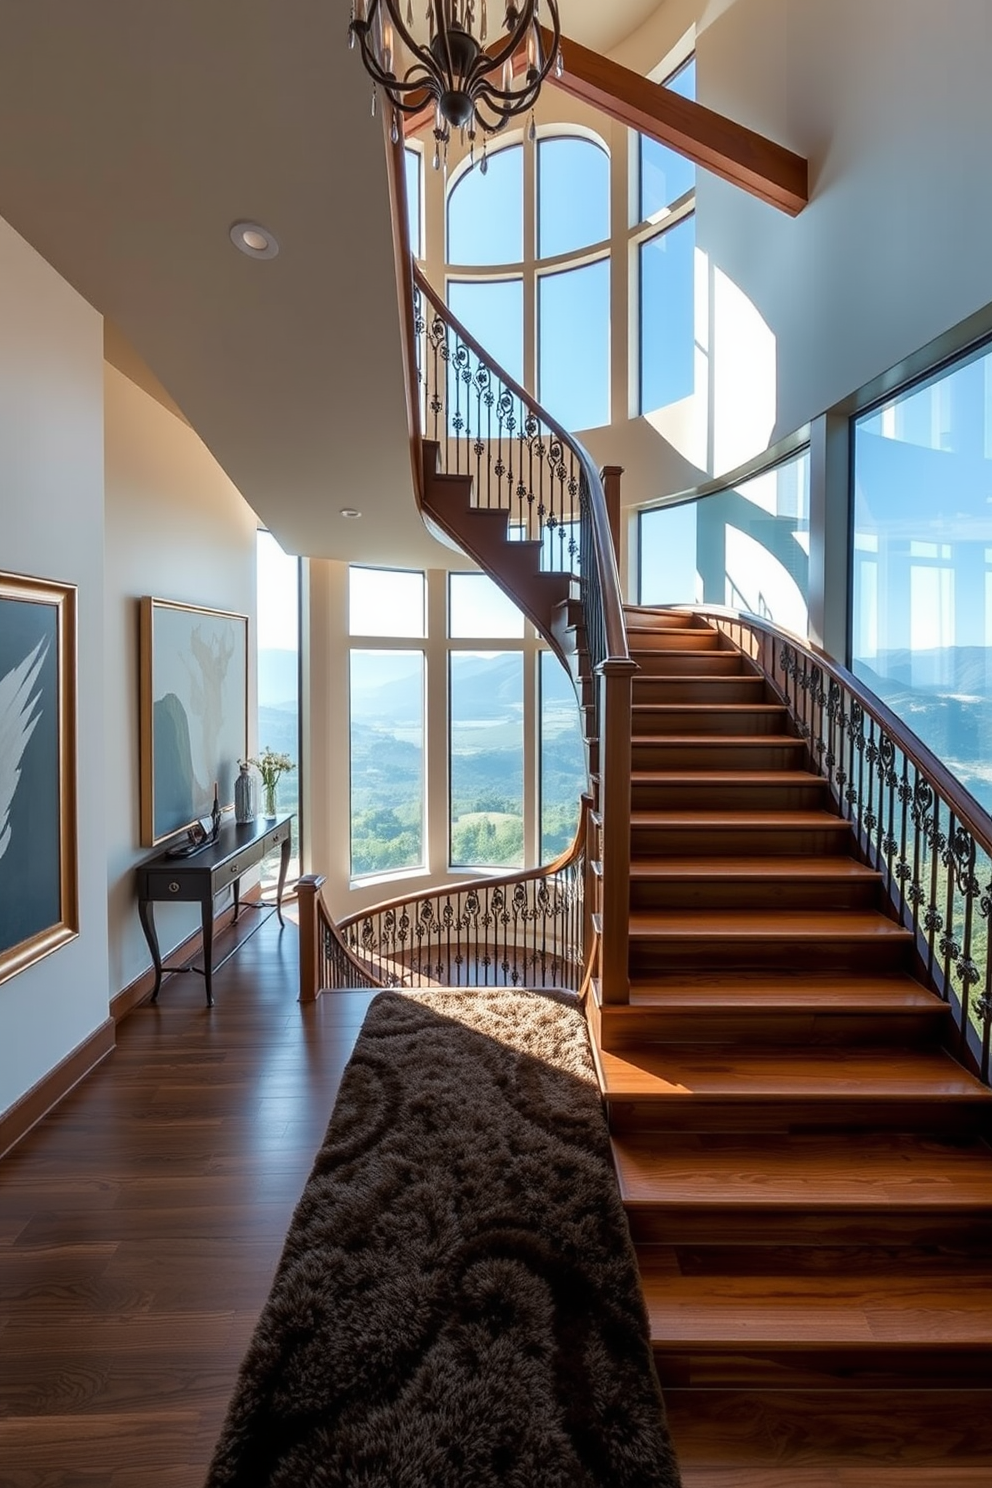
(744, 377)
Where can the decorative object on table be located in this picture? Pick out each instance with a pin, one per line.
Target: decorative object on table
(38, 892)
(458, 1301)
(244, 794)
(440, 63)
(271, 765)
(194, 713)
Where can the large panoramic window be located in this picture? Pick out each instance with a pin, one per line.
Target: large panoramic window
(278, 609)
(490, 781)
(563, 776)
(538, 294)
(486, 701)
(746, 547)
(386, 692)
(921, 623)
(666, 243)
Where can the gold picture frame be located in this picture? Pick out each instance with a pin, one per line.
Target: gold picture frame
(194, 712)
(39, 901)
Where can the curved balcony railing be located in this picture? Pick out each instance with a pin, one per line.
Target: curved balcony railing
(912, 820)
(517, 930)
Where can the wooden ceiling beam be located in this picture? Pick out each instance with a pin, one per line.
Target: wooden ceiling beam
(739, 155)
(757, 165)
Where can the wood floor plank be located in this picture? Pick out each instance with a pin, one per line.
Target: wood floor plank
(141, 1224)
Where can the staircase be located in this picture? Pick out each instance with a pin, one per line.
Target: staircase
(803, 1165)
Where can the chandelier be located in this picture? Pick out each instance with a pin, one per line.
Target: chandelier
(442, 61)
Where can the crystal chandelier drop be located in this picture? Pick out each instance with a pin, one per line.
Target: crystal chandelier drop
(443, 61)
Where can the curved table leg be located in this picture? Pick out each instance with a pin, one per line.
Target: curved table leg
(283, 870)
(146, 914)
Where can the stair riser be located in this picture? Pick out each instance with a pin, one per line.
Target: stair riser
(721, 840)
(666, 620)
(672, 639)
(652, 957)
(875, 1368)
(655, 754)
(753, 893)
(649, 724)
(742, 689)
(688, 663)
(761, 1029)
(709, 1226)
(757, 795)
(940, 1117)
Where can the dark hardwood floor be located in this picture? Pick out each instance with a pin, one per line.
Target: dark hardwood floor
(141, 1222)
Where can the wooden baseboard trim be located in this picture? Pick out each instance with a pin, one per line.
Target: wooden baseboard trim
(142, 987)
(56, 1085)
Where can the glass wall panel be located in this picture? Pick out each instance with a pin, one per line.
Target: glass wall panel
(666, 176)
(492, 310)
(747, 548)
(573, 195)
(563, 773)
(278, 631)
(667, 328)
(387, 761)
(486, 212)
(574, 345)
(667, 547)
(921, 631)
(479, 610)
(385, 602)
(487, 758)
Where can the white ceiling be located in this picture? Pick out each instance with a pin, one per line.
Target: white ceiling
(133, 133)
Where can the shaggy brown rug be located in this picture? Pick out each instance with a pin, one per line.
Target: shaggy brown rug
(457, 1304)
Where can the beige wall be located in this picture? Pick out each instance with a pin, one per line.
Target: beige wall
(176, 528)
(51, 526)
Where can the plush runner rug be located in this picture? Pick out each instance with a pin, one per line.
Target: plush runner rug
(457, 1303)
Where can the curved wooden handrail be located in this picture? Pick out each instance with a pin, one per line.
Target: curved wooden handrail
(316, 922)
(609, 576)
(967, 810)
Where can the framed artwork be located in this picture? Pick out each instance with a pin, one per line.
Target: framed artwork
(38, 884)
(194, 713)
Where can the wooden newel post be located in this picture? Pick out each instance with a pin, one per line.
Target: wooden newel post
(306, 895)
(611, 487)
(615, 691)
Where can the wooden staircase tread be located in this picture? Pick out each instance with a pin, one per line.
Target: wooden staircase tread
(728, 741)
(746, 779)
(807, 1312)
(805, 1172)
(716, 708)
(861, 1472)
(705, 819)
(732, 991)
(667, 1073)
(813, 869)
(793, 1427)
(778, 924)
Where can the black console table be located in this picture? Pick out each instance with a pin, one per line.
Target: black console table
(197, 879)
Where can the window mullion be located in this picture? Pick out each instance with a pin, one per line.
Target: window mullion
(530, 259)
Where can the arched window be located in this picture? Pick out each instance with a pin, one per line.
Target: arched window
(665, 239)
(533, 286)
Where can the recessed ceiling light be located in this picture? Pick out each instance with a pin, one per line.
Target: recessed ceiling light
(349, 511)
(254, 240)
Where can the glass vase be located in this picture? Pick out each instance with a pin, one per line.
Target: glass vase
(269, 798)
